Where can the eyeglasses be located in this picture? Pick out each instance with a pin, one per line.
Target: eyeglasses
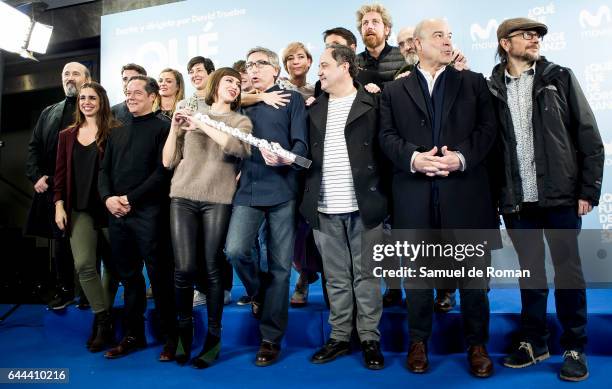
(527, 35)
(257, 64)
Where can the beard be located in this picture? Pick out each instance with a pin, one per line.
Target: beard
(70, 89)
(524, 56)
(373, 40)
(411, 58)
(528, 57)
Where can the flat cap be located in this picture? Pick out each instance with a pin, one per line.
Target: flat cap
(508, 26)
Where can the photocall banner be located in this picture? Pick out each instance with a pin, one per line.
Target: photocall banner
(579, 37)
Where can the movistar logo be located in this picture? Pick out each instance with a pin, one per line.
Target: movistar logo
(477, 32)
(587, 19)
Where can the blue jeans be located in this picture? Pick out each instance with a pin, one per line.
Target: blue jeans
(271, 288)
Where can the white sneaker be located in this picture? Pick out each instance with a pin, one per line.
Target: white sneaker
(227, 297)
(199, 298)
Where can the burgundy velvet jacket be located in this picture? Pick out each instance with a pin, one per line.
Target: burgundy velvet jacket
(63, 184)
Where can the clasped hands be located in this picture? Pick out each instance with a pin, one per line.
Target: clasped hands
(432, 165)
(118, 206)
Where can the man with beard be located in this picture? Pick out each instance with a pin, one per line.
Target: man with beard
(405, 42)
(374, 24)
(341, 36)
(121, 111)
(552, 160)
(40, 168)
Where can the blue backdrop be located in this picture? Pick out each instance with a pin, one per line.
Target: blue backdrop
(579, 37)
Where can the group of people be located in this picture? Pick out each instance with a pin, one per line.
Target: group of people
(403, 135)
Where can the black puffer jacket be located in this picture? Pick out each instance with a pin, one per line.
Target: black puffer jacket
(387, 64)
(569, 153)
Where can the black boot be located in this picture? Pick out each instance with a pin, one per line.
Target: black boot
(209, 353)
(185, 338)
(105, 333)
(94, 331)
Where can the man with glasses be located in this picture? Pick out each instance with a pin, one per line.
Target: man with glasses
(550, 176)
(267, 190)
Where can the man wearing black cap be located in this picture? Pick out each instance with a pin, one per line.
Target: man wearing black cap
(551, 169)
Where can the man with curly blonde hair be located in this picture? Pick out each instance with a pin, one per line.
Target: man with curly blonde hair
(374, 24)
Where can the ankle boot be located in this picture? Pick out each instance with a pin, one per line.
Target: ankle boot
(185, 338)
(105, 333)
(94, 331)
(209, 353)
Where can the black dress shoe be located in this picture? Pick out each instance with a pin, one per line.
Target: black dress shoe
(127, 345)
(372, 355)
(445, 300)
(268, 354)
(330, 351)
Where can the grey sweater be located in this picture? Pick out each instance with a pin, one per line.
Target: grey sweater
(203, 170)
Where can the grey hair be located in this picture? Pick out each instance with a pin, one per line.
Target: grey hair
(272, 56)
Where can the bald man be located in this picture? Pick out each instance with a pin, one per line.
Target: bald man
(40, 167)
(437, 126)
(405, 41)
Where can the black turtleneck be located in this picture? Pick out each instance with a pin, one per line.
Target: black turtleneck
(132, 162)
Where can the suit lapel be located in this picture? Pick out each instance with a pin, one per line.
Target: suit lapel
(413, 88)
(451, 90)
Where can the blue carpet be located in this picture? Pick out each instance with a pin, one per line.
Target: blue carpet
(34, 337)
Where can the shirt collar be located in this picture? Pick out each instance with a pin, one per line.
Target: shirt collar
(427, 75)
(530, 72)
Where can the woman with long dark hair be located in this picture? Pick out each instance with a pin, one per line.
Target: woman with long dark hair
(79, 211)
(205, 162)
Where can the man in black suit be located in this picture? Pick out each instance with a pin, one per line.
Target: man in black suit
(437, 127)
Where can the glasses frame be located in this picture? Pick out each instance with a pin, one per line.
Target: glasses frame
(526, 35)
(257, 64)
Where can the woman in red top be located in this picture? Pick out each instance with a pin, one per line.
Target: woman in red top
(79, 211)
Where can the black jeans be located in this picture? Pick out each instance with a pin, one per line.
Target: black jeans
(560, 226)
(135, 238)
(190, 222)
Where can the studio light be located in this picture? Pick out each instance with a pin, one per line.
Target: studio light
(14, 28)
(39, 38)
(21, 34)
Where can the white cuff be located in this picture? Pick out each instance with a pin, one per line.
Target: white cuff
(461, 159)
(412, 161)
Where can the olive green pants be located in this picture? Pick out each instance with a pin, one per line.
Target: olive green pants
(84, 241)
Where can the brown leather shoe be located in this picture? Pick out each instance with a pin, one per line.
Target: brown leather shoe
(127, 345)
(299, 298)
(268, 354)
(168, 352)
(480, 362)
(417, 358)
